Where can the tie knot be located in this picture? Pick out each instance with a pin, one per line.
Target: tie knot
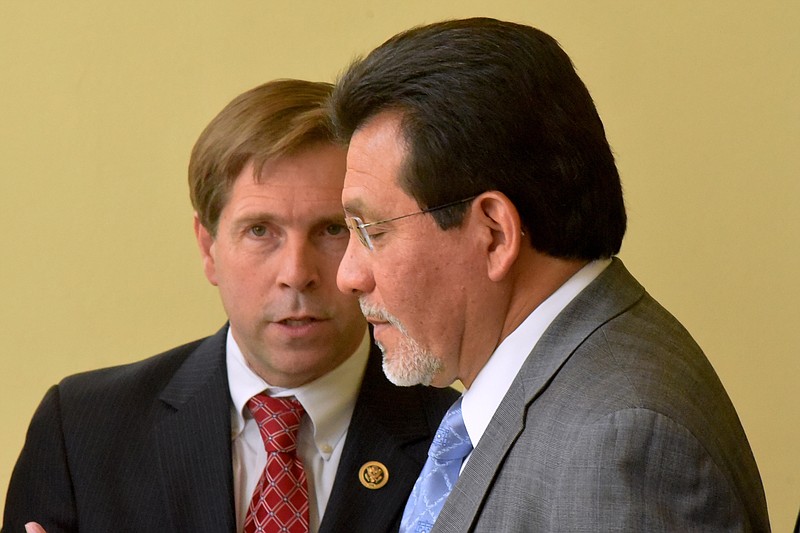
(278, 421)
(451, 440)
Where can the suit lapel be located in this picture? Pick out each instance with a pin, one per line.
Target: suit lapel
(613, 292)
(389, 425)
(465, 500)
(192, 440)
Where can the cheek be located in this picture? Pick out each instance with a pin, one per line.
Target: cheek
(433, 296)
(245, 277)
(412, 293)
(329, 263)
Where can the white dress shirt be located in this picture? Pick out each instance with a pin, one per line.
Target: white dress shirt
(328, 401)
(491, 384)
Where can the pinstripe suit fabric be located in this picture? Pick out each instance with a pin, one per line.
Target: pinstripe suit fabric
(146, 447)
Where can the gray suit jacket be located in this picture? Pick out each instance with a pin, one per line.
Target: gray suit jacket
(146, 448)
(616, 422)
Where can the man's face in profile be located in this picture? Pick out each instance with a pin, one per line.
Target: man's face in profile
(414, 283)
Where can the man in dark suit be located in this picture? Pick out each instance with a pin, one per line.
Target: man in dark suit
(169, 443)
(485, 211)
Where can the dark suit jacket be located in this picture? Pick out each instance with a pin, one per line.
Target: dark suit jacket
(615, 422)
(146, 447)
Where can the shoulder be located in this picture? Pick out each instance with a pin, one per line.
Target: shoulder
(84, 410)
(133, 378)
(139, 384)
(651, 469)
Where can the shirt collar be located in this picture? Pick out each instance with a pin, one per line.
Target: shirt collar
(329, 400)
(493, 381)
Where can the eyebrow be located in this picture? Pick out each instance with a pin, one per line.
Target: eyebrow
(333, 217)
(355, 207)
(253, 217)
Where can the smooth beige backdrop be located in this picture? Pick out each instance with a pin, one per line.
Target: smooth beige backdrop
(100, 103)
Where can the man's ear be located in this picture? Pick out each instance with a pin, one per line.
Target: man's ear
(502, 232)
(205, 241)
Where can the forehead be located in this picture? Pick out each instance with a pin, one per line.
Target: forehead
(311, 179)
(374, 160)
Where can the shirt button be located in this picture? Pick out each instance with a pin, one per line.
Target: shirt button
(326, 448)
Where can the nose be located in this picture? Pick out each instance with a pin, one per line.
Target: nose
(354, 275)
(299, 265)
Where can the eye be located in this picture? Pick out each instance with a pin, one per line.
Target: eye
(258, 230)
(376, 230)
(336, 229)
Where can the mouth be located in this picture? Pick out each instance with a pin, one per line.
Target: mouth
(298, 321)
(380, 325)
(375, 321)
(379, 318)
(300, 328)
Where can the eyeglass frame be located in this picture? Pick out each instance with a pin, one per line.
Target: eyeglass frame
(357, 225)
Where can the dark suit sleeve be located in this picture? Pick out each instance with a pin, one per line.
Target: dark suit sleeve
(41, 488)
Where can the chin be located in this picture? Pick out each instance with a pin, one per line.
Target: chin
(408, 367)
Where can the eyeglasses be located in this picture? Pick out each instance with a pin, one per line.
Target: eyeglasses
(360, 227)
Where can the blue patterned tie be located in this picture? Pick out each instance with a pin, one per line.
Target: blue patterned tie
(448, 449)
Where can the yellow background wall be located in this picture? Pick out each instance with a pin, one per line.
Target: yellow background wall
(100, 103)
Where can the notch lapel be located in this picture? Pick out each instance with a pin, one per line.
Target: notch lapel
(612, 293)
(193, 443)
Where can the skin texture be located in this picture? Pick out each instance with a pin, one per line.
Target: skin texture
(421, 275)
(453, 294)
(274, 259)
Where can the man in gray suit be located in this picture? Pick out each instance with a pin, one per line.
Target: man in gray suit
(169, 443)
(486, 211)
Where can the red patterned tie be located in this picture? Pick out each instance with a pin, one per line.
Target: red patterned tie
(280, 500)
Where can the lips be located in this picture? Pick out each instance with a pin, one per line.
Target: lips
(376, 321)
(298, 321)
(300, 328)
(379, 327)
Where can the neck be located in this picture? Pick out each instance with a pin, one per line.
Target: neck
(535, 278)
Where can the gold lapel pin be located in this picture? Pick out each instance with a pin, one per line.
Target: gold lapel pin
(373, 475)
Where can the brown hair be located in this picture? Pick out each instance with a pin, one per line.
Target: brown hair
(275, 119)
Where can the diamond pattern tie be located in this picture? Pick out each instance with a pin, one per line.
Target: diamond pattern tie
(450, 446)
(280, 499)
